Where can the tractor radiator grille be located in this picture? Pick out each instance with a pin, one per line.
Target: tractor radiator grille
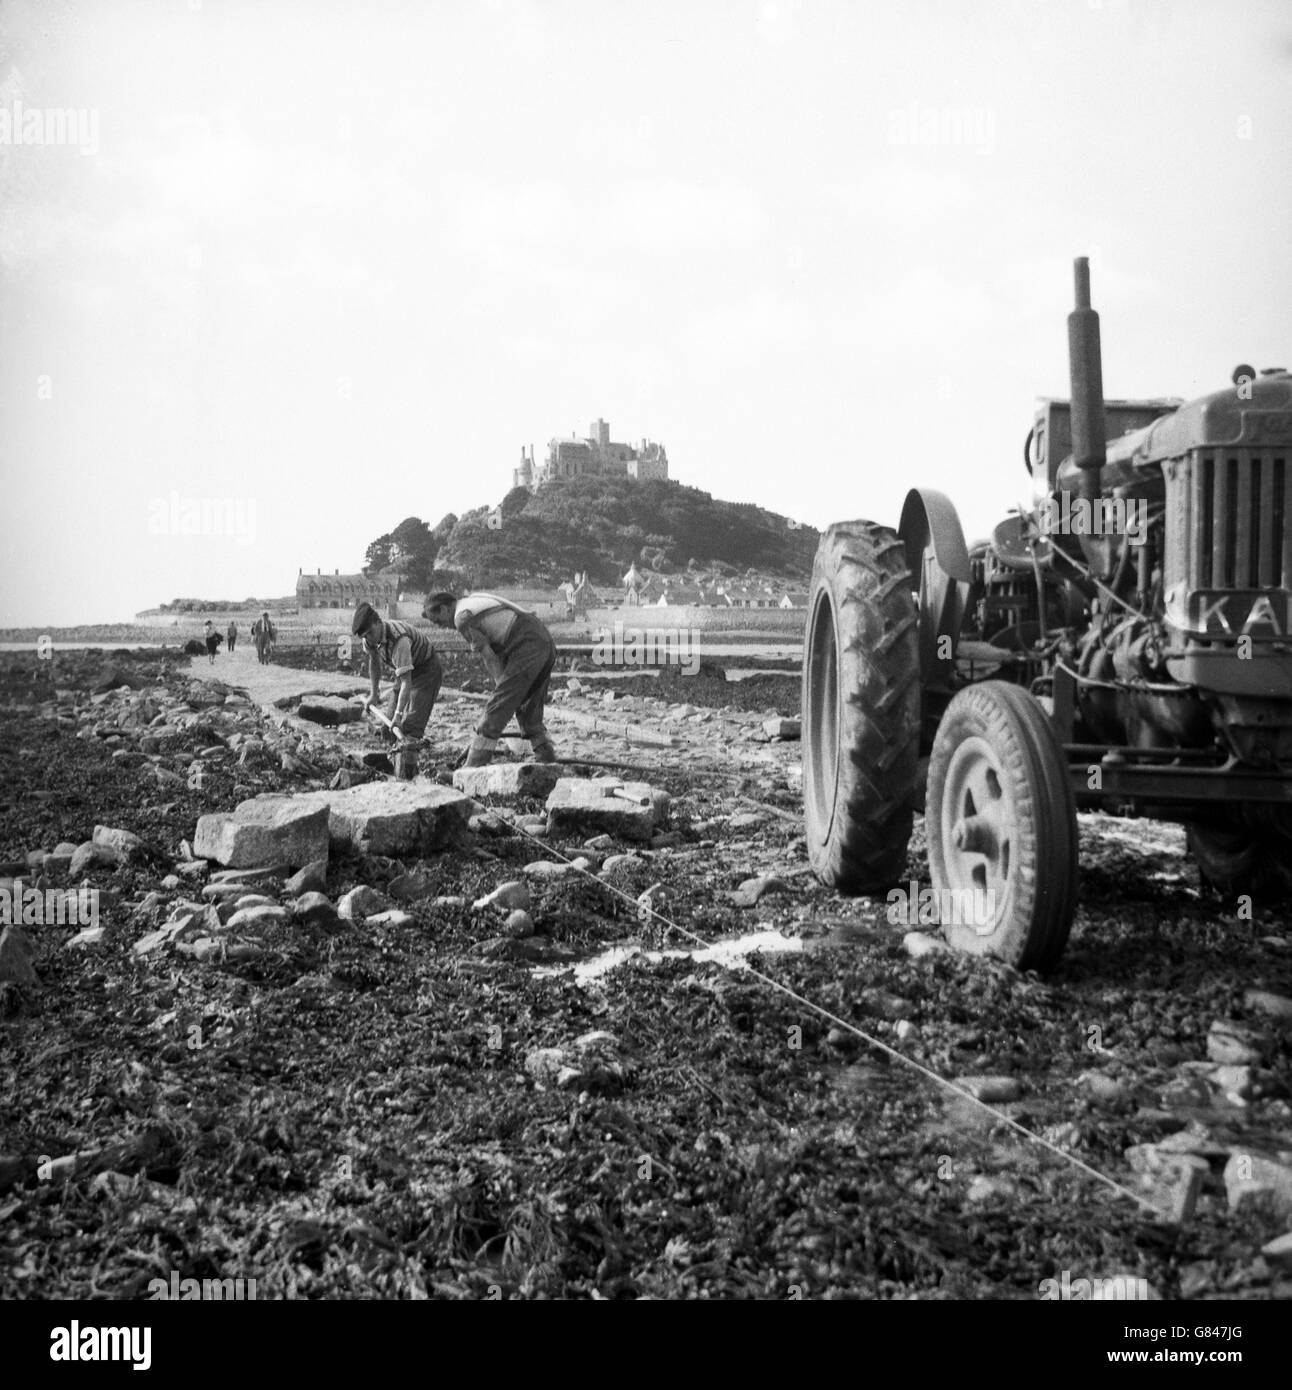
(1229, 520)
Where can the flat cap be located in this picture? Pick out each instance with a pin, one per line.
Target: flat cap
(364, 615)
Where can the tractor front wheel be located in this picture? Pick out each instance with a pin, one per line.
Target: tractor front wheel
(1002, 828)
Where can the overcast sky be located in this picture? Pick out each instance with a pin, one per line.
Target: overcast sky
(330, 264)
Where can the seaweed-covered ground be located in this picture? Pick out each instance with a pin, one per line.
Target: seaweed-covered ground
(438, 1109)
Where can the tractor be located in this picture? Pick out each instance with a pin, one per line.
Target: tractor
(1122, 644)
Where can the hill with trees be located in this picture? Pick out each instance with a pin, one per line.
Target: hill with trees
(597, 525)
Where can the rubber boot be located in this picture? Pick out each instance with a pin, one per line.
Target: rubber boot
(406, 758)
(481, 752)
(542, 749)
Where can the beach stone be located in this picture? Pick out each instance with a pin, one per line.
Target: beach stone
(1155, 1161)
(991, 1090)
(507, 896)
(918, 944)
(1236, 1082)
(271, 829)
(91, 856)
(59, 859)
(1106, 1090)
(519, 924)
(311, 879)
(752, 890)
(15, 958)
(315, 908)
(392, 917)
(606, 805)
(1263, 1001)
(783, 728)
(508, 779)
(254, 900)
(360, 902)
(1232, 1045)
(397, 819)
(412, 886)
(1256, 1181)
(985, 1188)
(545, 870)
(125, 844)
(262, 915)
(1278, 1252)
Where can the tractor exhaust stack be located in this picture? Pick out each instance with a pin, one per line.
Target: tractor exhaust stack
(1087, 375)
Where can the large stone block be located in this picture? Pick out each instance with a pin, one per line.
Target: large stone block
(507, 779)
(605, 805)
(329, 709)
(394, 818)
(272, 829)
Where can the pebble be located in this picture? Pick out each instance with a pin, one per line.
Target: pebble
(263, 915)
(1236, 1082)
(519, 924)
(545, 870)
(316, 908)
(987, 1189)
(311, 879)
(360, 902)
(1262, 1001)
(918, 944)
(1278, 1252)
(992, 1090)
(393, 917)
(1233, 1045)
(1107, 1090)
(506, 896)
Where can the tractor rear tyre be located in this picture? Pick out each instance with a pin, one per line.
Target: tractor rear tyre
(861, 709)
(1235, 861)
(1002, 828)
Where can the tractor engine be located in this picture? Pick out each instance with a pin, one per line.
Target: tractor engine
(1165, 554)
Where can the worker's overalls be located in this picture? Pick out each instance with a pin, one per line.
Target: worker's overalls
(527, 657)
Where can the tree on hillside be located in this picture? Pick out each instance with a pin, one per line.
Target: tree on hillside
(413, 546)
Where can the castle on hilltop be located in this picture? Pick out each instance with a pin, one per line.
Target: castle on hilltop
(595, 456)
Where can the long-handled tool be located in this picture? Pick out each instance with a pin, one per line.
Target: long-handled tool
(387, 721)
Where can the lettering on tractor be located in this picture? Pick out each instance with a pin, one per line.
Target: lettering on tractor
(1126, 644)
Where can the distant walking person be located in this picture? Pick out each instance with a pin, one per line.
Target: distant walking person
(232, 635)
(213, 640)
(519, 653)
(264, 635)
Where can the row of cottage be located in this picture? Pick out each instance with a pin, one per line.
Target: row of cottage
(323, 597)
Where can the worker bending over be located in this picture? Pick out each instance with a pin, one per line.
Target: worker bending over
(405, 653)
(519, 653)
